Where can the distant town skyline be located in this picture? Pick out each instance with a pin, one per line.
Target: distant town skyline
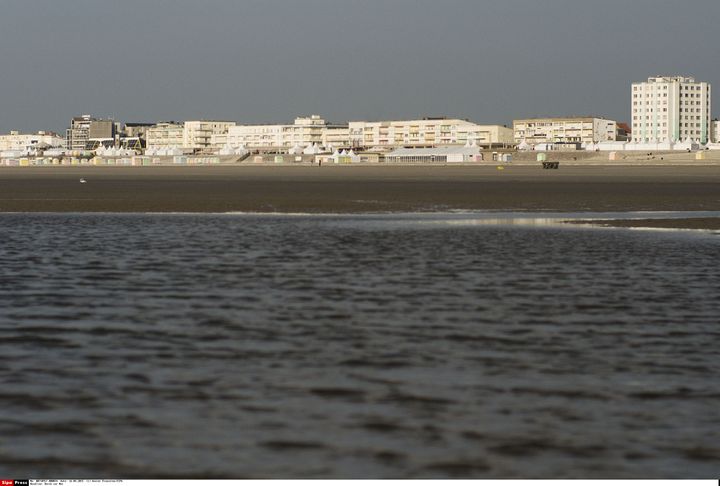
(268, 61)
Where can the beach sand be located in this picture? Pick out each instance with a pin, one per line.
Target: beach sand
(352, 189)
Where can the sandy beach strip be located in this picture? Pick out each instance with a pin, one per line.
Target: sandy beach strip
(358, 189)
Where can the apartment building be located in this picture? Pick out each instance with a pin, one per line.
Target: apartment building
(303, 132)
(136, 130)
(77, 135)
(624, 132)
(85, 128)
(336, 136)
(715, 131)
(202, 134)
(426, 132)
(568, 130)
(671, 109)
(165, 135)
(22, 142)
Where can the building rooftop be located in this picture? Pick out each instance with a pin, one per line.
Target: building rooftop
(669, 79)
(410, 120)
(564, 118)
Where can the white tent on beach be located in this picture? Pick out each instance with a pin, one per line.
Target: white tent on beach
(312, 149)
(524, 146)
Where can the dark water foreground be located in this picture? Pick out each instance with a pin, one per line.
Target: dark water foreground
(355, 346)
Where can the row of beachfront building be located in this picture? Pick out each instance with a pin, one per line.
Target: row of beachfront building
(306, 133)
(668, 112)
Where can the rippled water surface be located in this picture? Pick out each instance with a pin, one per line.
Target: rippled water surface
(355, 346)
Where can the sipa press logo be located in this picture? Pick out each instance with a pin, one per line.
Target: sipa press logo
(14, 482)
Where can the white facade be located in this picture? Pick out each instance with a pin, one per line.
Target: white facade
(671, 109)
(165, 135)
(303, 132)
(583, 130)
(336, 136)
(203, 134)
(446, 154)
(715, 131)
(21, 142)
(307, 131)
(426, 133)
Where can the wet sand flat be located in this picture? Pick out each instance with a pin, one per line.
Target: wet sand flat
(344, 189)
(660, 223)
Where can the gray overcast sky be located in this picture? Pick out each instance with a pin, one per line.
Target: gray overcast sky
(269, 60)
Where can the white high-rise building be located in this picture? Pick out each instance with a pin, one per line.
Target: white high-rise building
(715, 130)
(671, 109)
